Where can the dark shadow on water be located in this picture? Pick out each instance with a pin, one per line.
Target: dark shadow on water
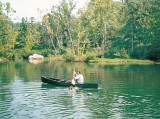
(50, 86)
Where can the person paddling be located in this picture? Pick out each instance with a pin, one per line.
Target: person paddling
(78, 78)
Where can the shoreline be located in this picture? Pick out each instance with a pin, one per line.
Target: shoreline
(98, 60)
(122, 61)
(108, 61)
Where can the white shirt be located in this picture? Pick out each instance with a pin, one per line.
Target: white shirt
(80, 78)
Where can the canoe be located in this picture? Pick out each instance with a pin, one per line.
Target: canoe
(61, 82)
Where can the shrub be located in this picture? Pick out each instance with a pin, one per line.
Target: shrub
(17, 54)
(69, 57)
(115, 53)
(90, 56)
(46, 52)
(20, 53)
(123, 54)
(62, 51)
(110, 54)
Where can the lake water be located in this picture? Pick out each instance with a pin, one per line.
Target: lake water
(125, 91)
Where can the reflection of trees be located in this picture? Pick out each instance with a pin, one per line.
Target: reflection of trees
(115, 81)
(7, 72)
(6, 76)
(118, 83)
(101, 73)
(35, 61)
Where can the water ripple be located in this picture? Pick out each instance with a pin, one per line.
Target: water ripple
(32, 100)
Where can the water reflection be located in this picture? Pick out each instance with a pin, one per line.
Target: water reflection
(77, 103)
(73, 100)
(125, 91)
(35, 61)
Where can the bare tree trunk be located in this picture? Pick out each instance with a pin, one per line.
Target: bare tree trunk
(52, 42)
(68, 27)
(78, 49)
(50, 37)
(132, 49)
(57, 37)
(104, 35)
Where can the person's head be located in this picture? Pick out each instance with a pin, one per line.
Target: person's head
(78, 72)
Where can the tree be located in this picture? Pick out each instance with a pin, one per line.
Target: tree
(7, 34)
(28, 35)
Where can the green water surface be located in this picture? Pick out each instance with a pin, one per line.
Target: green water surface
(125, 91)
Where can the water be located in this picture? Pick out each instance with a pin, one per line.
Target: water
(125, 91)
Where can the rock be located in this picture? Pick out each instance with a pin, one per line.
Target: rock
(35, 56)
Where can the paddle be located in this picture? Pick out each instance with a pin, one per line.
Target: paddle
(73, 80)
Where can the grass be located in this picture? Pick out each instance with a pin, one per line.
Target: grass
(107, 60)
(122, 61)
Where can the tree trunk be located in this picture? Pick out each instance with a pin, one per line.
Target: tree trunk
(68, 27)
(132, 39)
(52, 42)
(104, 35)
(57, 37)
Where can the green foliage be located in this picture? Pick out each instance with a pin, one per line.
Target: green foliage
(21, 53)
(113, 51)
(46, 52)
(62, 51)
(106, 28)
(69, 57)
(2, 49)
(90, 56)
(124, 54)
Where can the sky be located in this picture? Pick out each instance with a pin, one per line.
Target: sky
(28, 8)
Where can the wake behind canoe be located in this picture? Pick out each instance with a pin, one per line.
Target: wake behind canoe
(61, 82)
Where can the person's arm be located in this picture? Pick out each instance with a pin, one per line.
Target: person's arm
(76, 78)
(74, 73)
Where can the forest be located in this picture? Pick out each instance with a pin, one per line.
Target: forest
(127, 29)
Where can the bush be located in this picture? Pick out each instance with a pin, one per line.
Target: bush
(46, 53)
(90, 56)
(62, 51)
(110, 54)
(117, 53)
(69, 57)
(20, 54)
(2, 52)
(123, 54)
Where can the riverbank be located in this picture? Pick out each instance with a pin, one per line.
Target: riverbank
(98, 60)
(122, 61)
(107, 60)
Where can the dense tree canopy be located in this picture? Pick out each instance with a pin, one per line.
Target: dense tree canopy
(106, 28)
